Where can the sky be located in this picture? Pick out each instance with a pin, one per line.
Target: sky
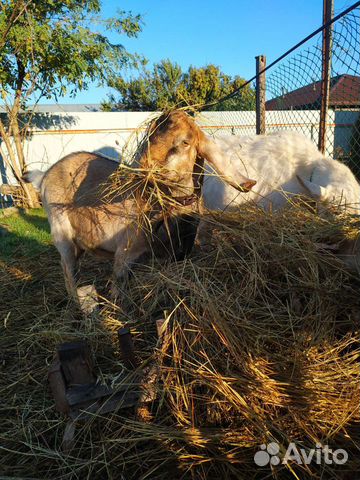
(225, 33)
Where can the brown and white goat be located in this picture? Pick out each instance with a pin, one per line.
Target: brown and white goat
(78, 216)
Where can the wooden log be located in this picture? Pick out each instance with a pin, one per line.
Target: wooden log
(76, 363)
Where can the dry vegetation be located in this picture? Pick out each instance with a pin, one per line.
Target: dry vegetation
(261, 345)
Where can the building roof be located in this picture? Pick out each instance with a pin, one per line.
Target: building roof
(344, 92)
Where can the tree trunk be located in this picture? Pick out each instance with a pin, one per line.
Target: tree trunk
(15, 150)
(31, 195)
(17, 165)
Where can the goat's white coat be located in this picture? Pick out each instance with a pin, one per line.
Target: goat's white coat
(284, 164)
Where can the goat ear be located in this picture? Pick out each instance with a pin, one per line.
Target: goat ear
(313, 189)
(211, 152)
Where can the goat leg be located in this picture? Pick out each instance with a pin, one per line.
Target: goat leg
(69, 253)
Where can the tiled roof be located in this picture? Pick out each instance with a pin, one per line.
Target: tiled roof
(344, 92)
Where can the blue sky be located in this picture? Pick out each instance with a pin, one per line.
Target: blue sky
(226, 33)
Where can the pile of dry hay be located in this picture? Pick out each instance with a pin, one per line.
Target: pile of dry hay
(262, 346)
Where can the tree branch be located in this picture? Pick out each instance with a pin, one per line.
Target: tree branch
(15, 15)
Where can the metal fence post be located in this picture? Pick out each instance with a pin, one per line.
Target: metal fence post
(328, 13)
(260, 94)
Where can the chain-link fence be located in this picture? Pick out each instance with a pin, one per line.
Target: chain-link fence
(295, 84)
(294, 89)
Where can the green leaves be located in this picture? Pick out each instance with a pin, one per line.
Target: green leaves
(59, 47)
(167, 86)
(125, 23)
(49, 48)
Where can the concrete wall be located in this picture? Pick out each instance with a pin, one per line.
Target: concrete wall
(57, 134)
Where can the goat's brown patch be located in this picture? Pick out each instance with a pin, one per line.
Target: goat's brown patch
(164, 134)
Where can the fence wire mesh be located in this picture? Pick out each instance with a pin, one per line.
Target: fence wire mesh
(294, 86)
(293, 93)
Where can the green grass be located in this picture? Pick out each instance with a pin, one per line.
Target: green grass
(27, 233)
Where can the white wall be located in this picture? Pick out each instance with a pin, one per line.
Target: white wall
(106, 132)
(57, 134)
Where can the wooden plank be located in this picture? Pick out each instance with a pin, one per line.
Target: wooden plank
(76, 363)
(85, 393)
(142, 390)
(115, 402)
(58, 387)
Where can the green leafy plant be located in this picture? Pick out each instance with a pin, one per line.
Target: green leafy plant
(49, 48)
(167, 86)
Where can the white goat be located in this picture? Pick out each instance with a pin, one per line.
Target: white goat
(284, 164)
